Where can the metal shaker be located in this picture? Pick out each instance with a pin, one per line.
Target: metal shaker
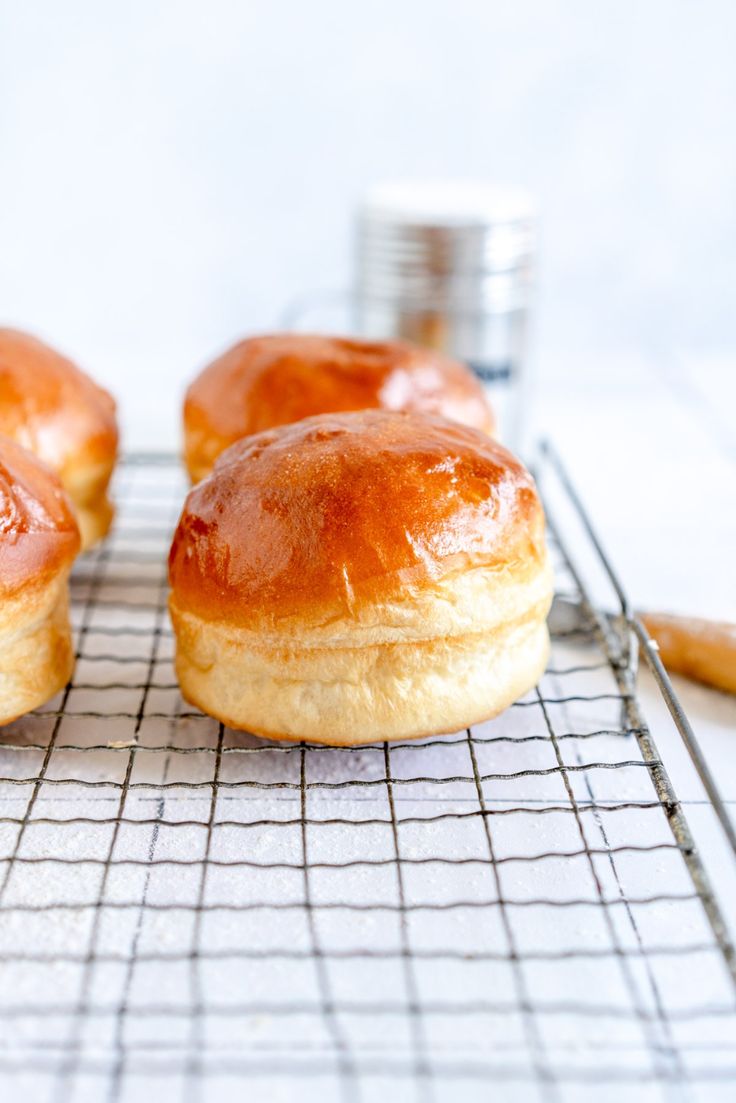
(450, 265)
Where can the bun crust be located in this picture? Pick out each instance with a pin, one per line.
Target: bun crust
(360, 576)
(39, 539)
(56, 411)
(264, 382)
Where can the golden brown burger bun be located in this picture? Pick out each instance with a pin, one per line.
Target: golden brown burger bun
(52, 408)
(39, 539)
(359, 577)
(269, 381)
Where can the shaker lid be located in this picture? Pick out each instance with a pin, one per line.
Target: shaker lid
(446, 245)
(451, 203)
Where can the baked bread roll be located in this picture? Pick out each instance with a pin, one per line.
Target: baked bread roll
(52, 408)
(704, 650)
(269, 381)
(359, 577)
(39, 539)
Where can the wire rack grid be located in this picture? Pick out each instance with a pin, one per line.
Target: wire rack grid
(190, 910)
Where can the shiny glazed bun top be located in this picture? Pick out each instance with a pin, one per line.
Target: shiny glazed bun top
(52, 408)
(325, 517)
(38, 532)
(267, 381)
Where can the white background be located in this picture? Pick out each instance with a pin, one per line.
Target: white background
(171, 174)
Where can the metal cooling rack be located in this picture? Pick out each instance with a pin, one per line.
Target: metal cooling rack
(190, 911)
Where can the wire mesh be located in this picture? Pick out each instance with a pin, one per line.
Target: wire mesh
(189, 906)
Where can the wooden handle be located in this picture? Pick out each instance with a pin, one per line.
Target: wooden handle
(704, 650)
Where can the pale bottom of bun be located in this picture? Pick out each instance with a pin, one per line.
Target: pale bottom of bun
(200, 452)
(94, 520)
(346, 696)
(36, 652)
(87, 488)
